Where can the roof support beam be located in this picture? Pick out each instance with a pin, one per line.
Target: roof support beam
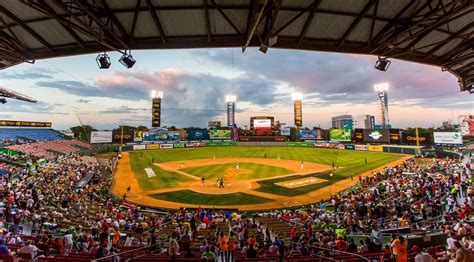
(308, 21)
(152, 11)
(219, 9)
(67, 28)
(294, 18)
(255, 22)
(393, 22)
(208, 22)
(444, 18)
(372, 25)
(451, 37)
(28, 29)
(356, 21)
(97, 20)
(114, 19)
(135, 19)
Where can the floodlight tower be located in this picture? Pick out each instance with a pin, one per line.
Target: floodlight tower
(156, 108)
(382, 92)
(298, 112)
(230, 100)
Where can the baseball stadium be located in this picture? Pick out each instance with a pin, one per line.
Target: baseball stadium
(255, 130)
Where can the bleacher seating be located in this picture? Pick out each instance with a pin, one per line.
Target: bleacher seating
(36, 134)
(49, 149)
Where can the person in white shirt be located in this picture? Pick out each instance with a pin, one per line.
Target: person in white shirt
(173, 247)
(28, 249)
(420, 256)
(68, 243)
(450, 241)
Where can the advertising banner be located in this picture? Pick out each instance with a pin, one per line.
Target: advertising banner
(453, 138)
(194, 144)
(285, 131)
(299, 144)
(198, 134)
(153, 146)
(156, 112)
(395, 136)
(467, 125)
(376, 136)
(24, 123)
(375, 148)
(340, 134)
(349, 147)
(220, 134)
(410, 138)
(361, 147)
(308, 134)
(139, 147)
(178, 145)
(166, 146)
(262, 123)
(160, 135)
(298, 113)
(137, 136)
(98, 137)
(125, 137)
(359, 135)
(230, 113)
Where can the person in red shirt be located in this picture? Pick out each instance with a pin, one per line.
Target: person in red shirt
(341, 244)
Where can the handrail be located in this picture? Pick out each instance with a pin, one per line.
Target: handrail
(341, 252)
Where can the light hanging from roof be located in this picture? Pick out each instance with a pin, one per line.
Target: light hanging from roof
(127, 60)
(103, 61)
(382, 64)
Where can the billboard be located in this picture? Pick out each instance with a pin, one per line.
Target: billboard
(467, 125)
(262, 123)
(410, 138)
(137, 136)
(220, 133)
(98, 137)
(340, 134)
(160, 135)
(395, 136)
(454, 138)
(126, 136)
(230, 113)
(376, 136)
(285, 131)
(198, 134)
(156, 112)
(298, 114)
(24, 123)
(214, 124)
(359, 135)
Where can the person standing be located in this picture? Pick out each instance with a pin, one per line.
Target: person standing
(203, 181)
(173, 247)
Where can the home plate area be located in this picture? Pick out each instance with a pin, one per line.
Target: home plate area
(301, 182)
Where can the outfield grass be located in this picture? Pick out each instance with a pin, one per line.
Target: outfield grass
(257, 171)
(269, 186)
(163, 179)
(191, 197)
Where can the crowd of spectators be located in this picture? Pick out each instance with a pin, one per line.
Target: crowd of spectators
(405, 196)
(49, 149)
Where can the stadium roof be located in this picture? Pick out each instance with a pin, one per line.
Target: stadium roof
(438, 32)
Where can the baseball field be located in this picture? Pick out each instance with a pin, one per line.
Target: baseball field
(252, 178)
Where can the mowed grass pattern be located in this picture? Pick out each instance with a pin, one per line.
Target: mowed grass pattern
(191, 197)
(256, 171)
(163, 179)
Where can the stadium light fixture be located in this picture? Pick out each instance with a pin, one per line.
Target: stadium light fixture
(230, 98)
(127, 60)
(381, 87)
(103, 61)
(297, 96)
(156, 94)
(382, 64)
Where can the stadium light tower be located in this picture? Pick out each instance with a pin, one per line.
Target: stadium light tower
(382, 91)
(156, 108)
(230, 100)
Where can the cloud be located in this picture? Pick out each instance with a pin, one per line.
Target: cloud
(338, 78)
(34, 108)
(83, 101)
(36, 73)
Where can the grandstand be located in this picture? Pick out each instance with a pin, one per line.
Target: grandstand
(30, 134)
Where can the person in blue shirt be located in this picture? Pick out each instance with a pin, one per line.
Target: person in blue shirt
(3, 248)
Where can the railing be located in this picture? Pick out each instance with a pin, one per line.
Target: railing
(133, 253)
(336, 255)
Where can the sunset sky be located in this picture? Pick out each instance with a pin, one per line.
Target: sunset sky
(195, 82)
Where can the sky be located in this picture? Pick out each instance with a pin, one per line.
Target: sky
(73, 90)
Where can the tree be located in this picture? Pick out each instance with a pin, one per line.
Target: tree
(82, 132)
